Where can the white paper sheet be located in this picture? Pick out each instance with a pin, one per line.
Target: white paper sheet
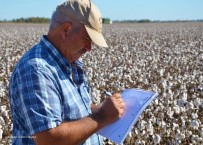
(136, 100)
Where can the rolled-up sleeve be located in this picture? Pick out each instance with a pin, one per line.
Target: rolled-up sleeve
(36, 99)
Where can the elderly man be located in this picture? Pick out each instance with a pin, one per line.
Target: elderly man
(49, 97)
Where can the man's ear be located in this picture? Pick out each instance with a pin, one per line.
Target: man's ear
(65, 29)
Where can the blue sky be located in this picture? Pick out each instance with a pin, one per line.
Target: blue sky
(114, 9)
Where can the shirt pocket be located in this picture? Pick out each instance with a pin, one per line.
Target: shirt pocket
(86, 97)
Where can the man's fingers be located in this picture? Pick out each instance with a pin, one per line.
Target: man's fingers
(116, 96)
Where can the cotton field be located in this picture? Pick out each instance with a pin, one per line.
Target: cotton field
(163, 57)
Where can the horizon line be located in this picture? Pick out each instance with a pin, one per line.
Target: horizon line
(117, 20)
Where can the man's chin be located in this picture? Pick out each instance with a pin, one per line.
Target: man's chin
(79, 54)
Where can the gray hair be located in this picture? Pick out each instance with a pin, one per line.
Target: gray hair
(59, 17)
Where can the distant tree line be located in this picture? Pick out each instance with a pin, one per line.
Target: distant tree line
(133, 21)
(154, 21)
(104, 20)
(29, 20)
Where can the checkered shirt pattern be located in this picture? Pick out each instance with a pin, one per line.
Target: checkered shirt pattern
(42, 93)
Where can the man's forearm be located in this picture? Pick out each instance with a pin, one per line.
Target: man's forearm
(75, 132)
(71, 133)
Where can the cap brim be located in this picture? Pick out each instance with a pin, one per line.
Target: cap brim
(96, 37)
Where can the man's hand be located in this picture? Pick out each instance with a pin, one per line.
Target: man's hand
(111, 109)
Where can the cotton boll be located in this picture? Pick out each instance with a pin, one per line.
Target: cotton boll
(163, 124)
(161, 72)
(141, 124)
(182, 109)
(2, 93)
(170, 112)
(142, 142)
(170, 95)
(158, 122)
(170, 84)
(183, 124)
(152, 119)
(2, 122)
(96, 99)
(194, 124)
(143, 132)
(180, 136)
(184, 96)
(175, 126)
(3, 108)
(199, 140)
(194, 115)
(177, 142)
(200, 88)
(156, 139)
(150, 128)
(1, 133)
(156, 102)
(137, 141)
(181, 102)
(163, 83)
(190, 105)
(197, 102)
(176, 109)
(201, 132)
(188, 133)
(136, 131)
(194, 139)
(130, 134)
(155, 88)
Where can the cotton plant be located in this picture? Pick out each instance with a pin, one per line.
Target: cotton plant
(164, 58)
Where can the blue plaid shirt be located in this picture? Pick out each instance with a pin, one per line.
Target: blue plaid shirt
(43, 94)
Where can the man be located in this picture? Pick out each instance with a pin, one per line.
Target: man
(48, 91)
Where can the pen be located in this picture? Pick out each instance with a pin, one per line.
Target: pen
(107, 93)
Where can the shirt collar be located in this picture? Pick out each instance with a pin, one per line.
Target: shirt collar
(58, 57)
